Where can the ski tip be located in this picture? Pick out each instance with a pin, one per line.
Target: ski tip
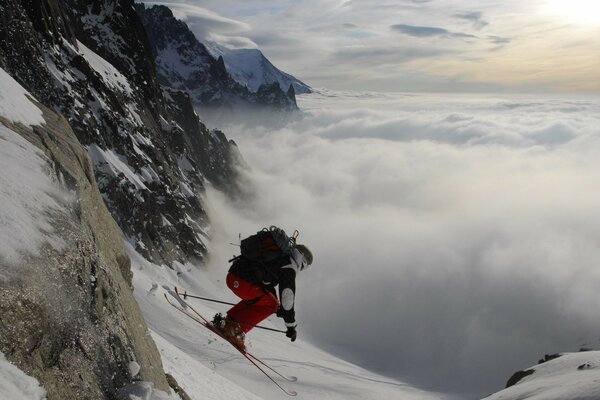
(292, 378)
(292, 393)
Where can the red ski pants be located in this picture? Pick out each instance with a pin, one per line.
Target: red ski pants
(256, 305)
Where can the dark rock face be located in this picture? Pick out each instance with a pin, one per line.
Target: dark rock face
(549, 357)
(517, 376)
(20, 46)
(151, 154)
(183, 63)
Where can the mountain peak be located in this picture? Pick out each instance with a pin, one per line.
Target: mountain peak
(252, 68)
(184, 63)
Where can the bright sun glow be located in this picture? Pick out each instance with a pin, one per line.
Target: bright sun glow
(584, 12)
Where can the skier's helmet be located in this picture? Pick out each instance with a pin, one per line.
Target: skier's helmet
(306, 253)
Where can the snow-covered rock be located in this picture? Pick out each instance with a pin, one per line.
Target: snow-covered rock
(68, 316)
(92, 62)
(251, 68)
(568, 376)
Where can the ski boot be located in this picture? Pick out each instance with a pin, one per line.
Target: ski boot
(218, 322)
(231, 329)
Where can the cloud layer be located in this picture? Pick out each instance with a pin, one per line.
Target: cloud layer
(455, 238)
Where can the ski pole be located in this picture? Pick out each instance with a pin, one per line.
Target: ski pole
(185, 296)
(260, 327)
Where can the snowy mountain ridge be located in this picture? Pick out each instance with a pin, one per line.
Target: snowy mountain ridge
(184, 63)
(566, 376)
(251, 68)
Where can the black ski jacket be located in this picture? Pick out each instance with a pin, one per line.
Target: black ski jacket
(279, 272)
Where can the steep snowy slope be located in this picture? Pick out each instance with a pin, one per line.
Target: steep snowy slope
(572, 376)
(208, 368)
(67, 312)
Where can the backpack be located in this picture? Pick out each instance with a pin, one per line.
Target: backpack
(267, 245)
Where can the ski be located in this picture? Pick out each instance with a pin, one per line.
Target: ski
(258, 363)
(288, 378)
(209, 325)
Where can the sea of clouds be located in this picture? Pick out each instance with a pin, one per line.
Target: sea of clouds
(456, 237)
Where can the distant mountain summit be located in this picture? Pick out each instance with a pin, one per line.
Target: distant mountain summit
(184, 63)
(251, 68)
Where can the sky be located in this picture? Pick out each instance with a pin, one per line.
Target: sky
(455, 236)
(414, 45)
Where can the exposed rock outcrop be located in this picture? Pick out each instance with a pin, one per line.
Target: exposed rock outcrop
(69, 317)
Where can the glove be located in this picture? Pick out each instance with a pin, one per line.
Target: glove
(291, 333)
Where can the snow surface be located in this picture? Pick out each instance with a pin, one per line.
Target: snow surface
(252, 69)
(15, 104)
(16, 384)
(144, 391)
(209, 368)
(573, 376)
(110, 75)
(27, 196)
(111, 162)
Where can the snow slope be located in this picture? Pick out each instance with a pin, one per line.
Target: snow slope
(209, 368)
(27, 194)
(573, 376)
(14, 102)
(251, 68)
(16, 385)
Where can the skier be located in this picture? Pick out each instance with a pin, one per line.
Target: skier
(269, 259)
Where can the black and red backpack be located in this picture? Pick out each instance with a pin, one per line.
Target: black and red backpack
(267, 245)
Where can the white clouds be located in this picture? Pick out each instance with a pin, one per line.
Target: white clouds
(208, 25)
(455, 238)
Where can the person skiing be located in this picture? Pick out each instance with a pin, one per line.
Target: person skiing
(268, 259)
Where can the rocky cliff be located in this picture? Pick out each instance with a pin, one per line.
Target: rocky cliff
(92, 62)
(183, 63)
(134, 160)
(67, 312)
